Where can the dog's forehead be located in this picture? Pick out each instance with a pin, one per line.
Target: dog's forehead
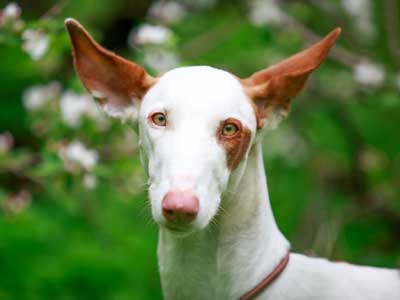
(200, 89)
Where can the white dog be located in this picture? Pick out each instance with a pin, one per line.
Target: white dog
(200, 133)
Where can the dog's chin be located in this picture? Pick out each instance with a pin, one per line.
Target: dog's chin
(180, 230)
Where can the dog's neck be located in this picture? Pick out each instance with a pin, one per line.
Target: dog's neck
(235, 253)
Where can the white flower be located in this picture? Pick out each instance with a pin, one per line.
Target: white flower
(89, 181)
(264, 12)
(12, 11)
(75, 106)
(282, 142)
(124, 114)
(360, 11)
(77, 153)
(35, 43)
(397, 81)
(18, 202)
(168, 12)
(368, 73)
(149, 34)
(199, 4)
(38, 95)
(355, 7)
(6, 142)
(161, 60)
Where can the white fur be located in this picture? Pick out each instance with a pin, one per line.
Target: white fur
(125, 114)
(186, 153)
(234, 242)
(273, 120)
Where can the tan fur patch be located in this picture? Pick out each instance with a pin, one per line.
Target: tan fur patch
(112, 79)
(272, 89)
(235, 146)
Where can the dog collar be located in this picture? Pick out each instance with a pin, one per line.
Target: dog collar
(267, 280)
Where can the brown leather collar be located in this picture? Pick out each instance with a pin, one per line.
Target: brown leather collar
(267, 280)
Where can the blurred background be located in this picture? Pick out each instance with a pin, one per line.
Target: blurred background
(74, 215)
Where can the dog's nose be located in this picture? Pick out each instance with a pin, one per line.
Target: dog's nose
(180, 206)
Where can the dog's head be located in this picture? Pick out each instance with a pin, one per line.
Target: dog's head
(196, 124)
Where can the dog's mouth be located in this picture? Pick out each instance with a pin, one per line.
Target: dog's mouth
(179, 230)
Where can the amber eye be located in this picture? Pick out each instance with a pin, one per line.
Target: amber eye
(159, 119)
(230, 129)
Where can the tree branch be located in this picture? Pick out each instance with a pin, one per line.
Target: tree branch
(338, 53)
(392, 28)
(54, 10)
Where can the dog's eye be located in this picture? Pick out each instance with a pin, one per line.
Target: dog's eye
(159, 119)
(230, 129)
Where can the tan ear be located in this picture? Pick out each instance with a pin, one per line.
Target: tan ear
(272, 89)
(118, 85)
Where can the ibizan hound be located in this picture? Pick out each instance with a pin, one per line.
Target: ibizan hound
(200, 133)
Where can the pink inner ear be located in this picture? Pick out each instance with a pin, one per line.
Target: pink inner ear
(117, 81)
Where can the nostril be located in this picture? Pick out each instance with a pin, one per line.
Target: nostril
(169, 212)
(180, 207)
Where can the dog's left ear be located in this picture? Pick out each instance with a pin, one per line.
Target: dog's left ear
(116, 84)
(271, 90)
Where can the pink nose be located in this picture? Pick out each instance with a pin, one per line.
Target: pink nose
(180, 206)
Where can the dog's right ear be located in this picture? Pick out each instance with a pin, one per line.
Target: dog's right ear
(117, 84)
